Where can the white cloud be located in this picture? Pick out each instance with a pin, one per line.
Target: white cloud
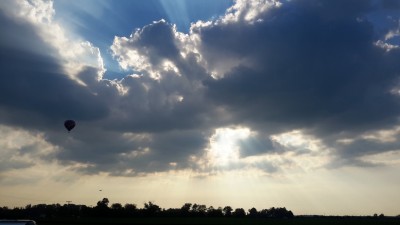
(390, 158)
(22, 154)
(248, 11)
(146, 52)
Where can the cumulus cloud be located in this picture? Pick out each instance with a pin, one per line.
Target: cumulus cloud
(305, 69)
(291, 84)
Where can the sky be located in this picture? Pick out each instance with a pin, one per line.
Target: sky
(267, 103)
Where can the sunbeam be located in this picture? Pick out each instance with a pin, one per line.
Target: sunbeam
(177, 12)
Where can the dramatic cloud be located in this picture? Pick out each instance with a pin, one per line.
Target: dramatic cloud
(35, 91)
(269, 86)
(298, 67)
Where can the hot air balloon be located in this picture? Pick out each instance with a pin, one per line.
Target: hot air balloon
(69, 125)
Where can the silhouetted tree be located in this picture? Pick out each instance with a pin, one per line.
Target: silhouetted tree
(227, 211)
(199, 210)
(172, 212)
(239, 212)
(102, 207)
(202, 210)
(276, 213)
(185, 209)
(117, 209)
(86, 211)
(212, 212)
(103, 203)
(130, 209)
(253, 212)
(116, 206)
(151, 209)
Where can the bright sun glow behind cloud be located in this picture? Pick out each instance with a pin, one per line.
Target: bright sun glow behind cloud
(224, 146)
(291, 153)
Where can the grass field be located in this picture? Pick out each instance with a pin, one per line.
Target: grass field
(225, 221)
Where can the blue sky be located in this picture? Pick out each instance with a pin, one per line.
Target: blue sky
(99, 21)
(244, 103)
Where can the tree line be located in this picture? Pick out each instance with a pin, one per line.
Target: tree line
(150, 209)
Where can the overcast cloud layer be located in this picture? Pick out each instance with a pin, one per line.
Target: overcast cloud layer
(265, 73)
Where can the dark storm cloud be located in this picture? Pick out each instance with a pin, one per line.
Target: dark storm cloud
(365, 147)
(168, 151)
(391, 4)
(307, 69)
(115, 153)
(34, 90)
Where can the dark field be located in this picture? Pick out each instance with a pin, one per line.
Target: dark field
(227, 221)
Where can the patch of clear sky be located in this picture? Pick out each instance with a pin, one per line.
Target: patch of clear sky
(99, 21)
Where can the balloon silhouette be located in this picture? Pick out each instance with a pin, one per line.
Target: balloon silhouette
(69, 125)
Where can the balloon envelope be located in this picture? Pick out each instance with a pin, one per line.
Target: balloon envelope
(69, 124)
